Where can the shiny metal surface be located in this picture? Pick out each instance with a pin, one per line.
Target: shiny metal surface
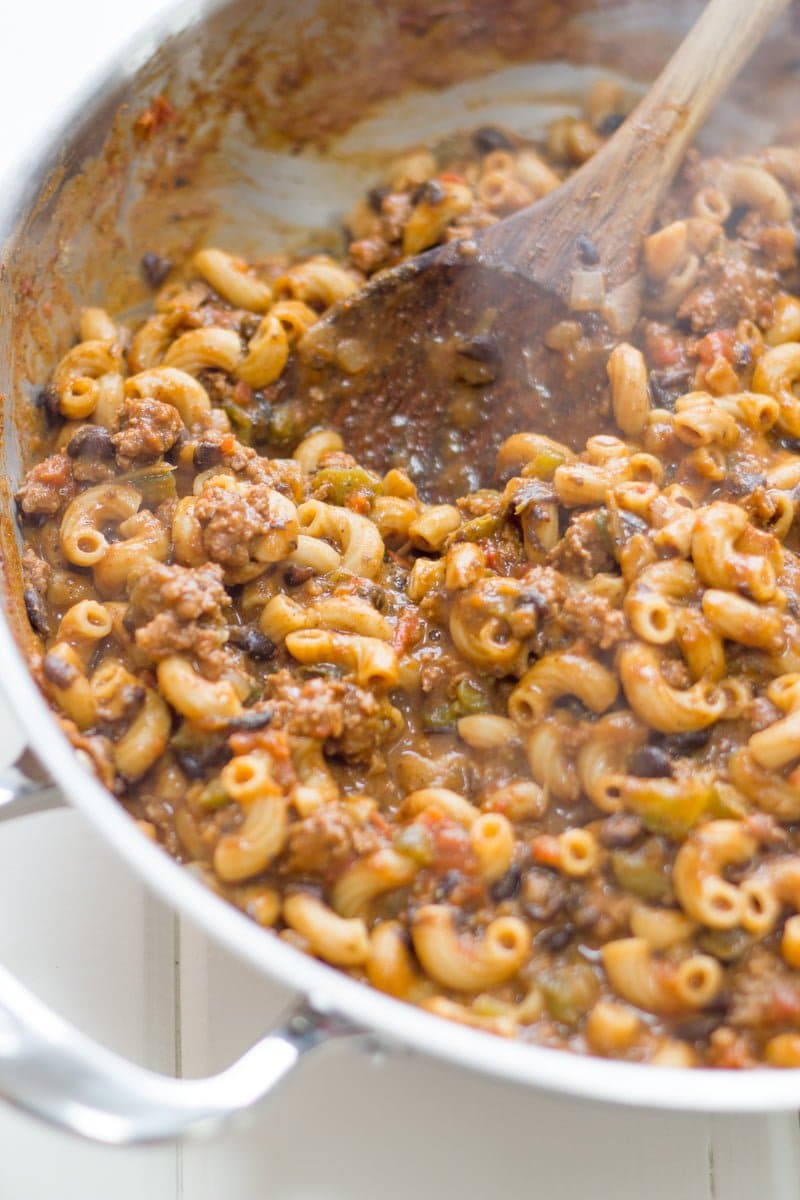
(53, 1072)
(47, 1067)
(21, 796)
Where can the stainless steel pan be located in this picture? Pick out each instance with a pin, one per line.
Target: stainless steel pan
(284, 112)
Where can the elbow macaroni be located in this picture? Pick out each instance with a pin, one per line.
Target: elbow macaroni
(530, 759)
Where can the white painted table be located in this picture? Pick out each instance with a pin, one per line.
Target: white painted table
(79, 930)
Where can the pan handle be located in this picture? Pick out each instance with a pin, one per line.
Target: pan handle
(54, 1072)
(21, 795)
(51, 1070)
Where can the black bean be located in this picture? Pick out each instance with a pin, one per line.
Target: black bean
(585, 915)
(252, 641)
(91, 441)
(376, 197)
(132, 694)
(697, 1029)
(481, 348)
(206, 455)
(738, 214)
(47, 399)
(251, 720)
(58, 672)
(198, 762)
(37, 611)
(531, 598)
(429, 192)
(294, 575)
(543, 895)
(631, 524)
(620, 829)
(447, 884)
(610, 123)
(686, 743)
(651, 762)
(191, 765)
(489, 138)
(248, 326)
(587, 250)
(555, 938)
(155, 268)
(47, 402)
(667, 385)
(508, 885)
(34, 520)
(743, 354)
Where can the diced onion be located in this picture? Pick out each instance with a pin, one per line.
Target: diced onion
(588, 291)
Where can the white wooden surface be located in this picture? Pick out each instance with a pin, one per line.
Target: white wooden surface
(75, 926)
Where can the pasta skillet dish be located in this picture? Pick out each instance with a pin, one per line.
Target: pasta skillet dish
(529, 758)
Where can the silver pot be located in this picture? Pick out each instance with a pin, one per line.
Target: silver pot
(250, 84)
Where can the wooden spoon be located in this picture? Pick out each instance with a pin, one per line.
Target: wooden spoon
(436, 361)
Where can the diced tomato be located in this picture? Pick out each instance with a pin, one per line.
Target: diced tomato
(407, 630)
(453, 848)
(663, 349)
(153, 118)
(55, 471)
(451, 177)
(735, 1056)
(785, 1004)
(359, 502)
(273, 741)
(494, 559)
(718, 344)
(243, 394)
(546, 850)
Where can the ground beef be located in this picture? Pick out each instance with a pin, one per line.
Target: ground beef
(191, 593)
(370, 253)
(767, 994)
(789, 581)
(221, 388)
(593, 618)
(164, 636)
(35, 571)
(729, 289)
(48, 487)
(219, 449)
(731, 1050)
(92, 452)
(232, 522)
(346, 717)
(584, 548)
(546, 589)
(283, 474)
(148, 429)
(327, 841)
(178, 610)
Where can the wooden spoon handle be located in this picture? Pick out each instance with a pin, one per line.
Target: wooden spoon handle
(610, 202)
(648, 149)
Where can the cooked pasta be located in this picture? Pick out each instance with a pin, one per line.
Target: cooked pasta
(530, 757)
